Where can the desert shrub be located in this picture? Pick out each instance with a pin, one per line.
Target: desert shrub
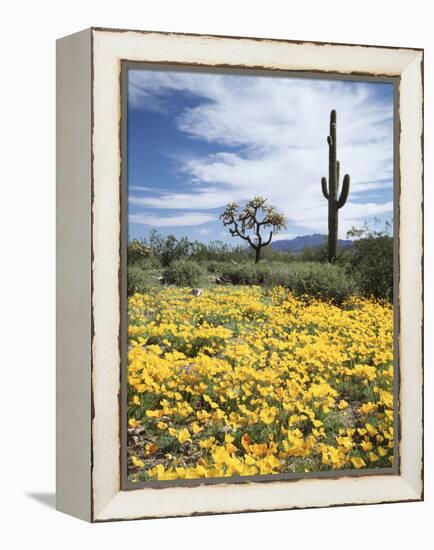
(164, 249)
(233, 270)
(168, 248)
(314, 253)
(152, 262)
(139, 254)
(242, 274)
(213, 266)
(370, 262)
(219, 251)
(137, 280)
(182, 273)
(137, 250)
(269, 254)
(321, 280)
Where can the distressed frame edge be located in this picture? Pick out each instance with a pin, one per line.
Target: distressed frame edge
(413, 492)
(253, 38)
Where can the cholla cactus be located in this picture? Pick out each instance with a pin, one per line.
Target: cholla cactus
(331, 194)
(256, 216)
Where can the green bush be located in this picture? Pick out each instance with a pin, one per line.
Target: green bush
(321, 280)
(139, 254)
(150, 263)
(370, 261)
(241, 274)
(314, 254)
(213, 266)
(182, 273)
(137, 250)
(137, 280)
(168, 248)
(219, 251)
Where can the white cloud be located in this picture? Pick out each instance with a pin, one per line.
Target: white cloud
(285, 236)
(140, 188)
(203, 231)
(201, 199)
(279, 126)
(188, 219)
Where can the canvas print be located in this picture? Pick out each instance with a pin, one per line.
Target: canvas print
(260, 261)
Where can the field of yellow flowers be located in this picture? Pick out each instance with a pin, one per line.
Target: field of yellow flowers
(251, 381)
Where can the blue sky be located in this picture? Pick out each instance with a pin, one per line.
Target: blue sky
(197, 141)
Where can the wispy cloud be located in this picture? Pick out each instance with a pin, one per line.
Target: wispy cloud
(203, 231)
(140, 188)
(270, 135)
(285, 236)
(188, 219)
(201, 198)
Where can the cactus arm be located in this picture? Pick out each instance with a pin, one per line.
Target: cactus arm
(324, 188)
(345, 190)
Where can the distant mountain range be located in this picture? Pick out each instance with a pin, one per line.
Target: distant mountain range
(306, 241)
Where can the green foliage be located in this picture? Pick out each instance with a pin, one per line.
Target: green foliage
(325, 281)
(270, 255)
(158, 250)
(140, 254)
(168, 249)
(137, 280)
(313, 254)
(243, 274)
(183, 273)
(138, 251)
(370, 261)
(213, 266)
(219, 251)
(364, 268)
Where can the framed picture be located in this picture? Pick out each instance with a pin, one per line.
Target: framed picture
(239, 267)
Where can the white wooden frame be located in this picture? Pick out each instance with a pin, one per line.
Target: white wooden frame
(88, 312)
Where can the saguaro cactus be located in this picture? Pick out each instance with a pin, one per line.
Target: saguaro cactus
(332, 192)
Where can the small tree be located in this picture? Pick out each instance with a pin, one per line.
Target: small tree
(255, 217)
(168, 249)
(138, 251)
(370, 260)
